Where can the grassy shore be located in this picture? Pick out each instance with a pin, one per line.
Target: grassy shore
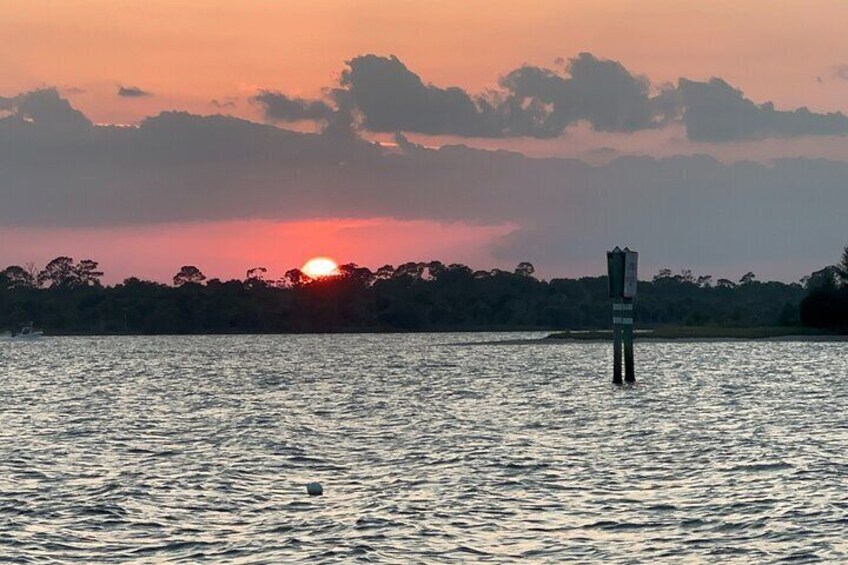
(699, 332)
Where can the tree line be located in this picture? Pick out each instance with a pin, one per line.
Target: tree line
(826, 303)
(68, 297)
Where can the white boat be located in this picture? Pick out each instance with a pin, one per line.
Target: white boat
(28, 332)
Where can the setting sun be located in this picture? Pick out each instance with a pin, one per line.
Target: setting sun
(319, 267)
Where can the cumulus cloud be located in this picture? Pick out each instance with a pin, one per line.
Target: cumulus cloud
(58, 170)
(534, 101)
(45, 110)
(601, 92)
(715, 111)
(381, 94)
(393, 98)
(279, 107)
(132, 92)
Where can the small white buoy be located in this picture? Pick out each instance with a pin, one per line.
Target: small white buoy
(314, 489)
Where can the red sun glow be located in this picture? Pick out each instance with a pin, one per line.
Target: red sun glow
(319, 267)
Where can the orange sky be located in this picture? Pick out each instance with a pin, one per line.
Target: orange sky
(192, 51)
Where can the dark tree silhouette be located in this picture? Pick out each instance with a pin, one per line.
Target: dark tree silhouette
(748, 278)
(86, 273)
(189, 274)
(385, 272)
(256, 273)
(255, 278)
(826, 306)
(422, 296)
(826, 303)
(525, 269)
(435, 269)
(295, 278)
(58, 273)
(15, 276)
(360, 275)
(704, 281)
(842, 267)
(827, 277)
(663, 274)
(413, 271)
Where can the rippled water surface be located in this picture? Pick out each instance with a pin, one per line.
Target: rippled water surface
(191, 449)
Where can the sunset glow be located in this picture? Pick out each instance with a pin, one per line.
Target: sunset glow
(192, 133)
(365, 260)
(320, 267)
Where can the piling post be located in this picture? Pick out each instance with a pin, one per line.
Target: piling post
(627, 327)
(621, 271)
(616, 346)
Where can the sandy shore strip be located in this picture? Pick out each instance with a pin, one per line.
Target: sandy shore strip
(658, 339)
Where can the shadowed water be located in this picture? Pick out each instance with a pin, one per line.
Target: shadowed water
(191, 449)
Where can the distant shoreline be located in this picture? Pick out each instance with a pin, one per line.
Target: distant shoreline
(547, 341)
(705, 332)
(662, 334)
(691, 334)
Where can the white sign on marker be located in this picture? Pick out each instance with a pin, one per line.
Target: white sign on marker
(631, 259)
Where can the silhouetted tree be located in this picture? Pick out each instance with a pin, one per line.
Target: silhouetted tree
(86, 273)
(826, 303)
(842, 267)
(525, 269)
(384, 272)
(295, 278)
(256, 273)
(435, 269)
(255, 277)
(361, 275)
(825, 306)
(412, 271)
(822, 278)
(189, 274)
(662, 274)
(15, 276)
(748, 278)
(58, 273)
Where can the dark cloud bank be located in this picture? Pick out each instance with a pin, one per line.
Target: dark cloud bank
(59, 170)
(532, 101)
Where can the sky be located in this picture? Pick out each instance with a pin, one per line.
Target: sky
(148, 135)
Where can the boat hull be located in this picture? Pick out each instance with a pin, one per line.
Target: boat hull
(29, 336)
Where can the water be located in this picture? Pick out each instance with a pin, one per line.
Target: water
(193, 449)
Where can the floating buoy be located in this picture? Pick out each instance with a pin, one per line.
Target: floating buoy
(314, 489)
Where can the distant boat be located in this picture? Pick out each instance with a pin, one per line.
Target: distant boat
(28, 332)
